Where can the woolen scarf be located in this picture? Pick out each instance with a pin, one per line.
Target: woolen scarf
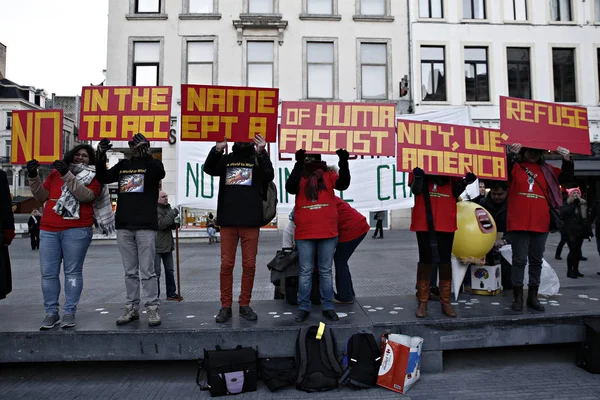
(313, 172)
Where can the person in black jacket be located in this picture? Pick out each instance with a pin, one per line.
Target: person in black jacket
(136, 222)
(576, 228)
(244, 176)
(7, 234)
(34, 229)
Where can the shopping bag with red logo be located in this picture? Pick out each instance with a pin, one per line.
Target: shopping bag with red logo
(401, 362)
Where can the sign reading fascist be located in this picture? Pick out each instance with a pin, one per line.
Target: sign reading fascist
(211, 113)
(545, 126)
(119, 112)
(36, 134)
(454, 150)
(324, 127)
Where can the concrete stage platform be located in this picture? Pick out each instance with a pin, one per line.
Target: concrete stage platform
(189, 327)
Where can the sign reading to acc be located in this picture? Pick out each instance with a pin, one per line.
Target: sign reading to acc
(324, 127)
(453, 150)
(211, 113)
(545, 126)
(119, 112)
(36, 134)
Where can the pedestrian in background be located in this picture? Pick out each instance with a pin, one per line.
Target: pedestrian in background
(165, 245)
(33, 225)
(379, 216)
(576, 229)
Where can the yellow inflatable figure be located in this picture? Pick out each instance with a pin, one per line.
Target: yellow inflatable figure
(476, 233)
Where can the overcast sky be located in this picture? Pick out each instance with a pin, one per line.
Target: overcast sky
(56, 45)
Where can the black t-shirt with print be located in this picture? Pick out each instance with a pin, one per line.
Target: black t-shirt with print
(138, 179)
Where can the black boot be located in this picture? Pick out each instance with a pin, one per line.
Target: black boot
(577, 273)
(571, 272)
(517, 304)
(532, 299)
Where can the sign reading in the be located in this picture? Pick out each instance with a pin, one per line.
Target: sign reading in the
(119, 112)
(453, 150)
(211, 113)
(324, 127)
(545, 126)
(36, 134)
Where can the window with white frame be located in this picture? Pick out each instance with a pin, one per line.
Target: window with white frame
(561, 10)
(200, 62)
(431, 8)
(474, 9)
(261, 6)
(597, 10)
(477, 84)
(374, 70)
(563, 68)
(146, 63)
(9, 120)
(321, 7)
(201, 6)
(260, 64)
(433, 73)
(519, 72)
(515, 10)
(147, 6)
(8, 147)
(372, 7)
(320, 72)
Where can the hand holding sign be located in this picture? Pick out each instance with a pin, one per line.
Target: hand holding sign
(104, 146)
(32, 168)
(343, 155)
(220, 146)
(300, 156)
(470, 178)
(61, 167)
(515, 148)
(260, 143)
(565, 153)
(418, 172)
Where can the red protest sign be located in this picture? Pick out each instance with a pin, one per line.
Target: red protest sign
(119, 112)
(453, 150)
(545, 126)
(36, 134)
(324, 127)
(211, 113)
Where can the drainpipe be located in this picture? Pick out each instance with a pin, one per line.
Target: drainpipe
(411, 107)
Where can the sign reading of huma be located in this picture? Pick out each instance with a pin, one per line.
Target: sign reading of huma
(211, 113)
(36, 134)
(324, 127)
(119, 112)
(454, 150)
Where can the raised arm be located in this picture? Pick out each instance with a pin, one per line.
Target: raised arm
(292, 185)
(343, 181)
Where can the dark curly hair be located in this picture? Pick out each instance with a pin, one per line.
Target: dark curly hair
(71, 153)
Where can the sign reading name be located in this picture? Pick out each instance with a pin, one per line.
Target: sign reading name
(453, 150)
(36, 134)
(119, 112)
(211, 113)
(545, 126)
(324, 127)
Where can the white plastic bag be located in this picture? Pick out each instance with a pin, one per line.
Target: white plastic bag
(549, 283)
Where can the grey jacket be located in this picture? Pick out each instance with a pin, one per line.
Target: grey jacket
(166, 223)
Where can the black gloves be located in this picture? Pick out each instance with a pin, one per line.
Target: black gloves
(104, 146)
(343, 155)
(300, 156)
(61, 167)
(418, 172)
(32, 167)
(139, 139)
(470, 178)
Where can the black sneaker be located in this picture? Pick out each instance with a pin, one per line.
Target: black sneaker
(50, 322)
(301, 316)
(330, 315)
(224, 315)
(248, 313)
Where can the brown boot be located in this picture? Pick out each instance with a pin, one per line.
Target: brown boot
(446, 289)
(423, 274)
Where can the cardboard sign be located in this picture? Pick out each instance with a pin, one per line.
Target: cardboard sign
(36, 134)
(545, 126)
(452, 150)
(119, 112)
(211, 113)
(324, 127)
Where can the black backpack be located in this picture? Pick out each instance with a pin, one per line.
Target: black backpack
(316, 359)
(361, 361)
(231, 371)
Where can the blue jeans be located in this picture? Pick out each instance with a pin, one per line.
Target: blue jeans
(68, 247)
(325, 249)
(343, 278)
(167, 259)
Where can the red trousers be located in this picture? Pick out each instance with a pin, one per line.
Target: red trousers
(230, 236)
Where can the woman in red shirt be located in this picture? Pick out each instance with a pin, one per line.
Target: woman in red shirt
(352, 228)
(316, 219)
(66, 228)
(442, 192)
(533, 186)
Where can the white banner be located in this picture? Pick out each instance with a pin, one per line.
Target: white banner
(376, 185)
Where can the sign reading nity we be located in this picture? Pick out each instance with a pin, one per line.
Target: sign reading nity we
(36, 134)
(545, 125)
(454, 150)
(323, 127)
(119, 112)
(211, 113)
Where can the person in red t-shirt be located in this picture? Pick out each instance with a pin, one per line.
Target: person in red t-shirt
(316, 219)
(443, 192)
(352, 228)
(66, 228)
(533, 186)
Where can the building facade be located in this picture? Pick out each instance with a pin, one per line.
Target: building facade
(343, 50)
